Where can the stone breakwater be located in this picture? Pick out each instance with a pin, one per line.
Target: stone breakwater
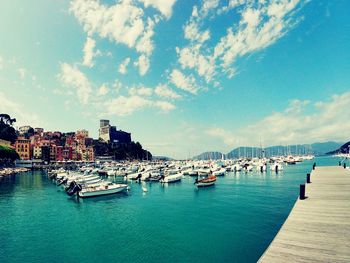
(9, 171)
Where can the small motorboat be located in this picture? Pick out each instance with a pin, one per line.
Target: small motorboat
(102, 189)
(207, 180)
(171, 178)
(220, 172)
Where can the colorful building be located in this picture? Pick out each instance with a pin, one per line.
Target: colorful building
(23, 149)
(37, 152)
(59, 153)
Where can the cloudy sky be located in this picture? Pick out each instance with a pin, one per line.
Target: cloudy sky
(183, 76)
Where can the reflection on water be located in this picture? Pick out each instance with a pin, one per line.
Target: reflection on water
(235, 220)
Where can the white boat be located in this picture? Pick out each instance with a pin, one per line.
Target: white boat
(220, 172)
(236, 168)
(102, 189)
(133, 176)
(84, 179)
(171, 178)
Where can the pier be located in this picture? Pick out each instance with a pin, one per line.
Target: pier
(318, 227)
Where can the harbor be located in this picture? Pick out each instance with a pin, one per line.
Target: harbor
(234, 220)
(318, 228)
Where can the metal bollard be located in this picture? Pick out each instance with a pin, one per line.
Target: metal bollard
(302, 192)
(308, 178)
(344, 165)
(314, 166)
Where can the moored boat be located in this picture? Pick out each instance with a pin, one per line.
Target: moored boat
(171, 178)
(207, 180)
(102, 189)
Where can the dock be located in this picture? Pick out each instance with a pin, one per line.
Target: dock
(318, 227)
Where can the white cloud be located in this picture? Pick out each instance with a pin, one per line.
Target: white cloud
(117, 85)
(141, 91)
(227, 137)
(121, 22)
(1, 63)
(103, 90)
(22, 72)
(16, 110)
(123, 105)
(299, 122)
(258, 28)
(122, 67)
(190, 57)
(124, 23)
(164, 6)
(165, 106)
(186, 83)
(259, 25)
(192, 33)
(71, 76)
(166, 92)
(145, 44)
(89, 52)
(209, 5)
(143, 64)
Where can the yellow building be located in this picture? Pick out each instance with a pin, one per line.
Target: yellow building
(37, 152)
(22, 147)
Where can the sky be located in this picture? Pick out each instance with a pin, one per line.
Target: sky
(182, 76)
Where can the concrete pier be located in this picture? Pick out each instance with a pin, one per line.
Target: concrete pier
(318, 227)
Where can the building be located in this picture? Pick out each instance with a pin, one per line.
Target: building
(82, 133)
(67, 153)
(53, 151)
(22, 147)
(39, 131)
(119, 136)
(45, 153)
(110, 133)
(59, 153)
(104, 130)
(37, 152)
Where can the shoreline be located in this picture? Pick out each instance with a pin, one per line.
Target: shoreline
(9, 171)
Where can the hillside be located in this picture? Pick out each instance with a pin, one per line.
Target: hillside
(342, 149)
(315, 148)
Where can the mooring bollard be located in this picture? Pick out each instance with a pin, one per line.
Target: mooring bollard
(344, 164)
(314, 166)
(308, 178)
(302, 192)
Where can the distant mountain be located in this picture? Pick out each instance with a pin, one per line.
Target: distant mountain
(325, 147)
(244, 152)
(315, 148)
(208, 156)
(342, 149)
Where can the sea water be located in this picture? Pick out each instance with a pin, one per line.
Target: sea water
(234, 221)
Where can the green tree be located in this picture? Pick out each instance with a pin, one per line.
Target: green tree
(7, 132)
(8, 153)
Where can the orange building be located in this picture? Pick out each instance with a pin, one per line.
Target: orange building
(22, 147)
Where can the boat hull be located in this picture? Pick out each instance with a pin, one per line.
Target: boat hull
(86, 194)
(205, 184)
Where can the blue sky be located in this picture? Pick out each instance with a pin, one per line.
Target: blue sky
(182, 76)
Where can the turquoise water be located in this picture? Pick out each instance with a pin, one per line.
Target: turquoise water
(232, 222)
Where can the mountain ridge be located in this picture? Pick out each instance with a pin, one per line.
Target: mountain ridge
(318, 148)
